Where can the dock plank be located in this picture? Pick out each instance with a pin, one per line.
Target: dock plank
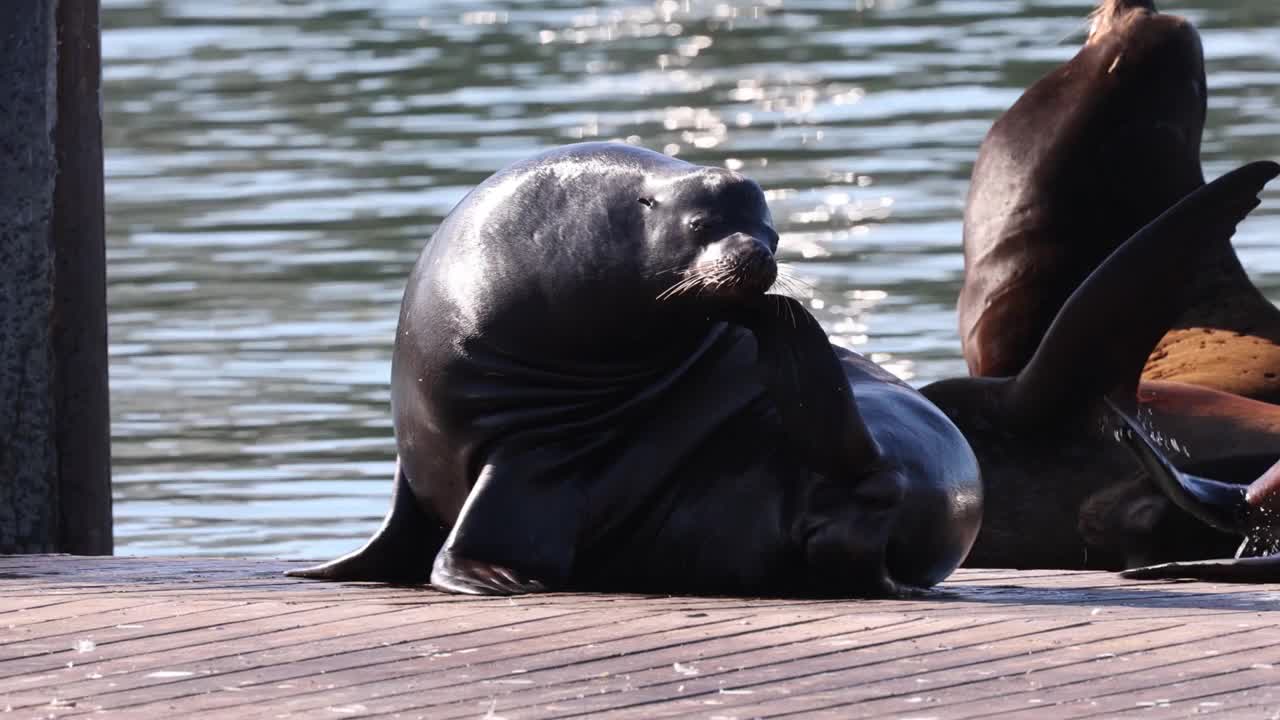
(223, 638)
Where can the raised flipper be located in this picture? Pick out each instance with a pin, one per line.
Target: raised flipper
(1104, 333)
(1129, 302)
(1265, 491)
(399, 552)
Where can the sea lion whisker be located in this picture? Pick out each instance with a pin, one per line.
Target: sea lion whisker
(780, 305)
(667, 293)
(732, 278)
(715, 276)
(677, 270)
(794, 285)
(680, 287)
(789, 271)
(784, 286)
(699, 281)
(725, 276)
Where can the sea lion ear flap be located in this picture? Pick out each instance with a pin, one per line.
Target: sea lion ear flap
(1100, 339)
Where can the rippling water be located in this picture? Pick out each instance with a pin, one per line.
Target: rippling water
(273, 169)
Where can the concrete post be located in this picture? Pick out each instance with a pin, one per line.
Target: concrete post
(55, 482)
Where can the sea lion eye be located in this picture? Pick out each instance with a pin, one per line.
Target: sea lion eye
(647, 201)
(697, 224)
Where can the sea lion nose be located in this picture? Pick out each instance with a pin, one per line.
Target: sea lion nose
(753, 259)
(748, 242)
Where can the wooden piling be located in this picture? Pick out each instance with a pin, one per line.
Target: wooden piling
(55, 482)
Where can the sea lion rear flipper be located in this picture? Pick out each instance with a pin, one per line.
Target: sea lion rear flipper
(1241, 570)
(396, 553)
(1100, 340)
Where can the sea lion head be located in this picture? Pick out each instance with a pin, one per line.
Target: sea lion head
(1111, 13)
(709, 236)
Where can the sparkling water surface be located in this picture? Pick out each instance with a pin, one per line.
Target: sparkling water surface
(273, 169)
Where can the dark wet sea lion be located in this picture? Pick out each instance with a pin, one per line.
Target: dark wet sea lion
(572, 410)
(1087, 156)
(1060, 492)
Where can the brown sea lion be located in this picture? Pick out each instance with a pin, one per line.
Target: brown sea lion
(1086, 156)
(1060, 492)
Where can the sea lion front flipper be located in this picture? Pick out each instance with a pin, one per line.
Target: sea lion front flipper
(455, 574)
(518, 530)
(397, 551)
(1240, 570)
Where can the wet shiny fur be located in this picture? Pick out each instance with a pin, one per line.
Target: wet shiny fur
(591, 390)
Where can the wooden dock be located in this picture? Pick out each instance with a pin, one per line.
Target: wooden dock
(198, 638)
